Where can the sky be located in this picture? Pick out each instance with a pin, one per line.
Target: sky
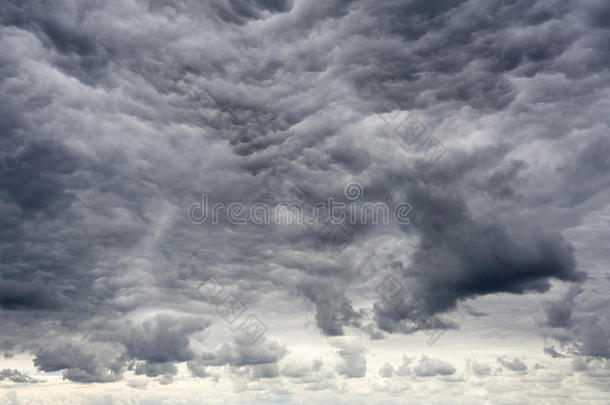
(297, 202)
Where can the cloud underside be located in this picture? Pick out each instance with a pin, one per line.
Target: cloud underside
(117, 117)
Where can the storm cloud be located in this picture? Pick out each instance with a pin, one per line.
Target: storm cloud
(481, 126)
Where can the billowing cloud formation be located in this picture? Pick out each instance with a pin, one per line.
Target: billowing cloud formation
(514, 364)
(17, 377)
(259, 359)
(425, 367)
(480, 369)
(353, 360)
(162, 339)
(583, 332)
(293, 370)
(332, 310)
(486, 120)
(150, 348)
(81, 362)
(559, 314)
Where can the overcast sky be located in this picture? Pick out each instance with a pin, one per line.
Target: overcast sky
(299, 202)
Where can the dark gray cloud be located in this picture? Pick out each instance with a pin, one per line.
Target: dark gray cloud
(26, 295)
(239, 11)
(118, 116)
(17, 377)
(166, 370)
(593, 337)
(258, 360)
(149, 348)
(559, 314)
(333, 309)
(550, 350)
(452, 270)
(577, 330)
(84, 363)
(162, 339)
(513, 365)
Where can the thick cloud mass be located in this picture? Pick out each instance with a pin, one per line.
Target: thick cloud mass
(485, 121)
(353, 362)
(16, 376)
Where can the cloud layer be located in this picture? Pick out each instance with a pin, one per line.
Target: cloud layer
(485, 121)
